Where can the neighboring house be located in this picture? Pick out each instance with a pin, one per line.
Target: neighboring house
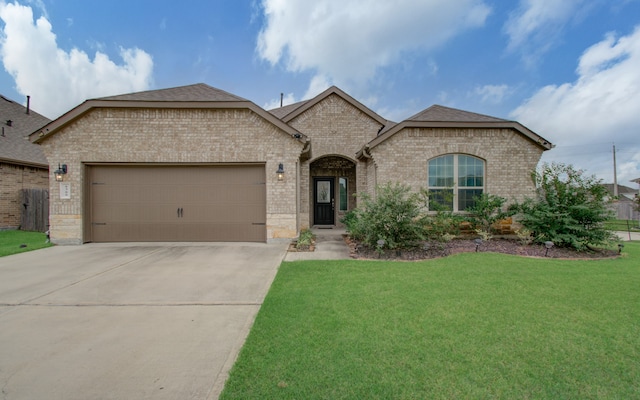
(195, 163)
(624, 206)
(22, 163)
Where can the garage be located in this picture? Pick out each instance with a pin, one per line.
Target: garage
(175, 203)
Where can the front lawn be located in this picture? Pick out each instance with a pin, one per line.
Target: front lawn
(13, 242)
(474, 325)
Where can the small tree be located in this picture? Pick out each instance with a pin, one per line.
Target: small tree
(569, 209)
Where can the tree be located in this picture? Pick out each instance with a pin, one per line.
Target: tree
(569, 209)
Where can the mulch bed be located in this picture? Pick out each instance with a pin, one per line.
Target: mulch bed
(505, 246)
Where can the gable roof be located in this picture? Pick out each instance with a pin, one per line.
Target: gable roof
(292, 112)
(15, 147)
(438, 116)
(199, 96)
(191, 93)
(441, 114)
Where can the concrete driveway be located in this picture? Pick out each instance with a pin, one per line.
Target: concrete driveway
(133, 321)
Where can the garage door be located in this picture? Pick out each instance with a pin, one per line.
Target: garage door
(176, 203)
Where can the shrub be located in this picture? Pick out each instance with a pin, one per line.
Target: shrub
(486, 211)
(391, 220)
(569, 209)
(305, 239)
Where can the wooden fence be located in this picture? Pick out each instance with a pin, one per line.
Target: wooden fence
(35, 210)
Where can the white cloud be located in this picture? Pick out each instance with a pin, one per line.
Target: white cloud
(535, 26)
(58, 80)
(600, 107)
(347, 41)
(493, 94)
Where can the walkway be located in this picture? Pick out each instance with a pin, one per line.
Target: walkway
(330, 245)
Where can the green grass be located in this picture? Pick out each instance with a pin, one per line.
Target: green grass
(11, 241)
(470, 326)
(623, 225)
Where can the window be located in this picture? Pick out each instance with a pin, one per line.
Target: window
(454, 181)
(343, 194)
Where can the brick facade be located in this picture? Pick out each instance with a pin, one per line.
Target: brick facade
(343, 139)
(337, 130)
(107, 135)
(15, 177)
(509, 157)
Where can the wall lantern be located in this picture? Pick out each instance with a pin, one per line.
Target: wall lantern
(280, 172)
(60, 172)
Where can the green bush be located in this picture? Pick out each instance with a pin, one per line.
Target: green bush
(391, 220)
(486, 211)
(569, 208)
(305, 239)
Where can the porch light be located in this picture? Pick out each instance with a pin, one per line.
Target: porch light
(60, 172)
(280, 172)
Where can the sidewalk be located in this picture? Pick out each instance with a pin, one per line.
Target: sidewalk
(330, 245)
(626, 236)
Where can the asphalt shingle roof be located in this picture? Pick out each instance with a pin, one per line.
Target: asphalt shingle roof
(437, 113)
(198, 92)
(15, 146)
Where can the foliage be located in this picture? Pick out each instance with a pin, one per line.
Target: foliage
(524, 236)
(441, 224)
(305, 239)
(388, 221)
(486, 211)
(570, 208)
(13, 242)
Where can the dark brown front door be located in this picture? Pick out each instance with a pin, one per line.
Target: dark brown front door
(324, 201)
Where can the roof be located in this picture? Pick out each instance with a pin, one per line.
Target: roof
(438, 116)
(280, 112)
(193, 93)
(292, 112)
(441, 113)
(15, 147)
(621, 189)
(197, 96)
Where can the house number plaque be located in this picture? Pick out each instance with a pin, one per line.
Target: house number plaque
(65, 190)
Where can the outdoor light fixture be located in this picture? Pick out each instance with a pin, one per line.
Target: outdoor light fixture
(280, 172)
(60, 172)
(548, 245)
(620, 247)
(478, 242)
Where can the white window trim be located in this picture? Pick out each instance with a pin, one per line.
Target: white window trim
(455, 186)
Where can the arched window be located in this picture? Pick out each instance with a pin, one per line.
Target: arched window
(454, 180)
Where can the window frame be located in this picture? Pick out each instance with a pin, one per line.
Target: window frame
(346, 194)
(456, 187)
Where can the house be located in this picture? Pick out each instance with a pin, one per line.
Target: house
(624, 205)
(196, 163)
(22, 164)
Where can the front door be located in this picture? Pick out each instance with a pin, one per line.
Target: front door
(323, 201)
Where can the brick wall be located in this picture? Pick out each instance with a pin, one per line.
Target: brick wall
(336, 128)
(13, 178)
(509, 157)
(171, 136)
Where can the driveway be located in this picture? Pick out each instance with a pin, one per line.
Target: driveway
(133, 321)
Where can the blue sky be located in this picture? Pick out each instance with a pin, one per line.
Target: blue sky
(569, 70)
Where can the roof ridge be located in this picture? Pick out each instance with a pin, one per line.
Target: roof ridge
(439, 112)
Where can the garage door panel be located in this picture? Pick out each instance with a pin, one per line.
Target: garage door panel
(178, 203)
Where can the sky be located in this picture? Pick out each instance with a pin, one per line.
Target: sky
(567, 69)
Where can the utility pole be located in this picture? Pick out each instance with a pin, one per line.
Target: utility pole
(615, 173)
